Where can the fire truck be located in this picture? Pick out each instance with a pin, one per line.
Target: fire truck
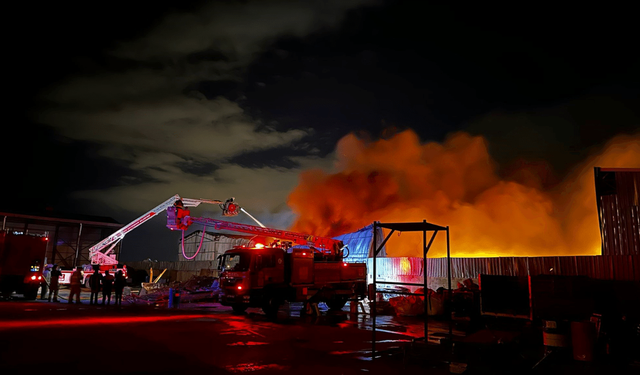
(22, 258)
(294, 267)
(101, 253)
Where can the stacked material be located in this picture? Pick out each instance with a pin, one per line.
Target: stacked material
(197, 288)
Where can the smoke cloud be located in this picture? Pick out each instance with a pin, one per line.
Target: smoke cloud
(456, 183)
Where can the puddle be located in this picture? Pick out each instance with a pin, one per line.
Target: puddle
(250, 367)
(248, 343)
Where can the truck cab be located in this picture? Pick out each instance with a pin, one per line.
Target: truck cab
(246, 271)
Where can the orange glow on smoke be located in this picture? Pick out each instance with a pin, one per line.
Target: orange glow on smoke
(456, 184)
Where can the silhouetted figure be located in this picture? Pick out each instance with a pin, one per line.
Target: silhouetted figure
(107, 286)
(118, 287)
(46, 280)
(54, 285)
(75, 285)
(95, 280)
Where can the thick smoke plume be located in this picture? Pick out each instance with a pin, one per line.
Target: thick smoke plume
(457, 184)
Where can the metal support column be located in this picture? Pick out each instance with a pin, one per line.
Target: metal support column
(425, 282)
(75, 261)
(449, 285)
(372, 309)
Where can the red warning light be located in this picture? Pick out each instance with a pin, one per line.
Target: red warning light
(344, 264)
(46, 238)
(239, 287)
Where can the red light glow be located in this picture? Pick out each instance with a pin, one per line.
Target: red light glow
(259, 246)
(344, 264)
(33, 277)
(304, 253)
(12, 324)
(239, 287)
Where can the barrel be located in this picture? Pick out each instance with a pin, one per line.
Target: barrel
(555, 333)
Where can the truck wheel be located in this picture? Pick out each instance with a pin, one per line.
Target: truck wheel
(239, 308)
(336, 303)
(271, 306)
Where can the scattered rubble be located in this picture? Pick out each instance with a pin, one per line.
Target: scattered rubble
(414, 305)
(196, 289)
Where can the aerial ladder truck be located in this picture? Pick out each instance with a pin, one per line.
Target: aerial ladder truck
(101, 254)
(294, 267)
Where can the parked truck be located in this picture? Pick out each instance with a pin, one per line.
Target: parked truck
(22, 260)
(294, 267)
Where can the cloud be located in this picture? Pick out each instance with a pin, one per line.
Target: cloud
(176, 141)
(261, 191)
(190, 127)
(237, 29)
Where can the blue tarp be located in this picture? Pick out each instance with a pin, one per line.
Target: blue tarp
(360, 244)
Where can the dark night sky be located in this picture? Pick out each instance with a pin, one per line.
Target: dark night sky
(119, 106)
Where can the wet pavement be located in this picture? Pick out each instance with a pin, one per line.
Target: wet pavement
(199, 338)
(208, 338)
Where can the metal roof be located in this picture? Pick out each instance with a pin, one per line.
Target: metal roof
(418, 226)
(54, 216)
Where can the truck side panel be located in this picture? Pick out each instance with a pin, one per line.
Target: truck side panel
(17, 254)
(327, 272)
(353, 272)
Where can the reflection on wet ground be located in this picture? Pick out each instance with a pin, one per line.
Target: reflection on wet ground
(413, 327)
(248, 343)
(251, 367)
(213, 336)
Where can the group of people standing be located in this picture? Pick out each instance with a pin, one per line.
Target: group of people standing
(107, 284)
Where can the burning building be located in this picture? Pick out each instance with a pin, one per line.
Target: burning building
(517, 224)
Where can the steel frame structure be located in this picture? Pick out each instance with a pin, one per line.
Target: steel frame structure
(423, 227)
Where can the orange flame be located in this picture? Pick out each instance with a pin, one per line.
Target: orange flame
(455, 184)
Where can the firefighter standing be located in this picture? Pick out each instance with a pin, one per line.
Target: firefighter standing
(54, 285)
(46, 275)
(107, 285)
(76, 280)
(94, 282)
(118, 287)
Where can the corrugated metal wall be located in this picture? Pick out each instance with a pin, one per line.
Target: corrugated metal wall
(177, 271)
(616, 267)
(618, 210)
(213, 244)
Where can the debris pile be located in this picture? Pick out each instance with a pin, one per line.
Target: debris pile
(413, 305)
(464, 298)
(197, 288)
